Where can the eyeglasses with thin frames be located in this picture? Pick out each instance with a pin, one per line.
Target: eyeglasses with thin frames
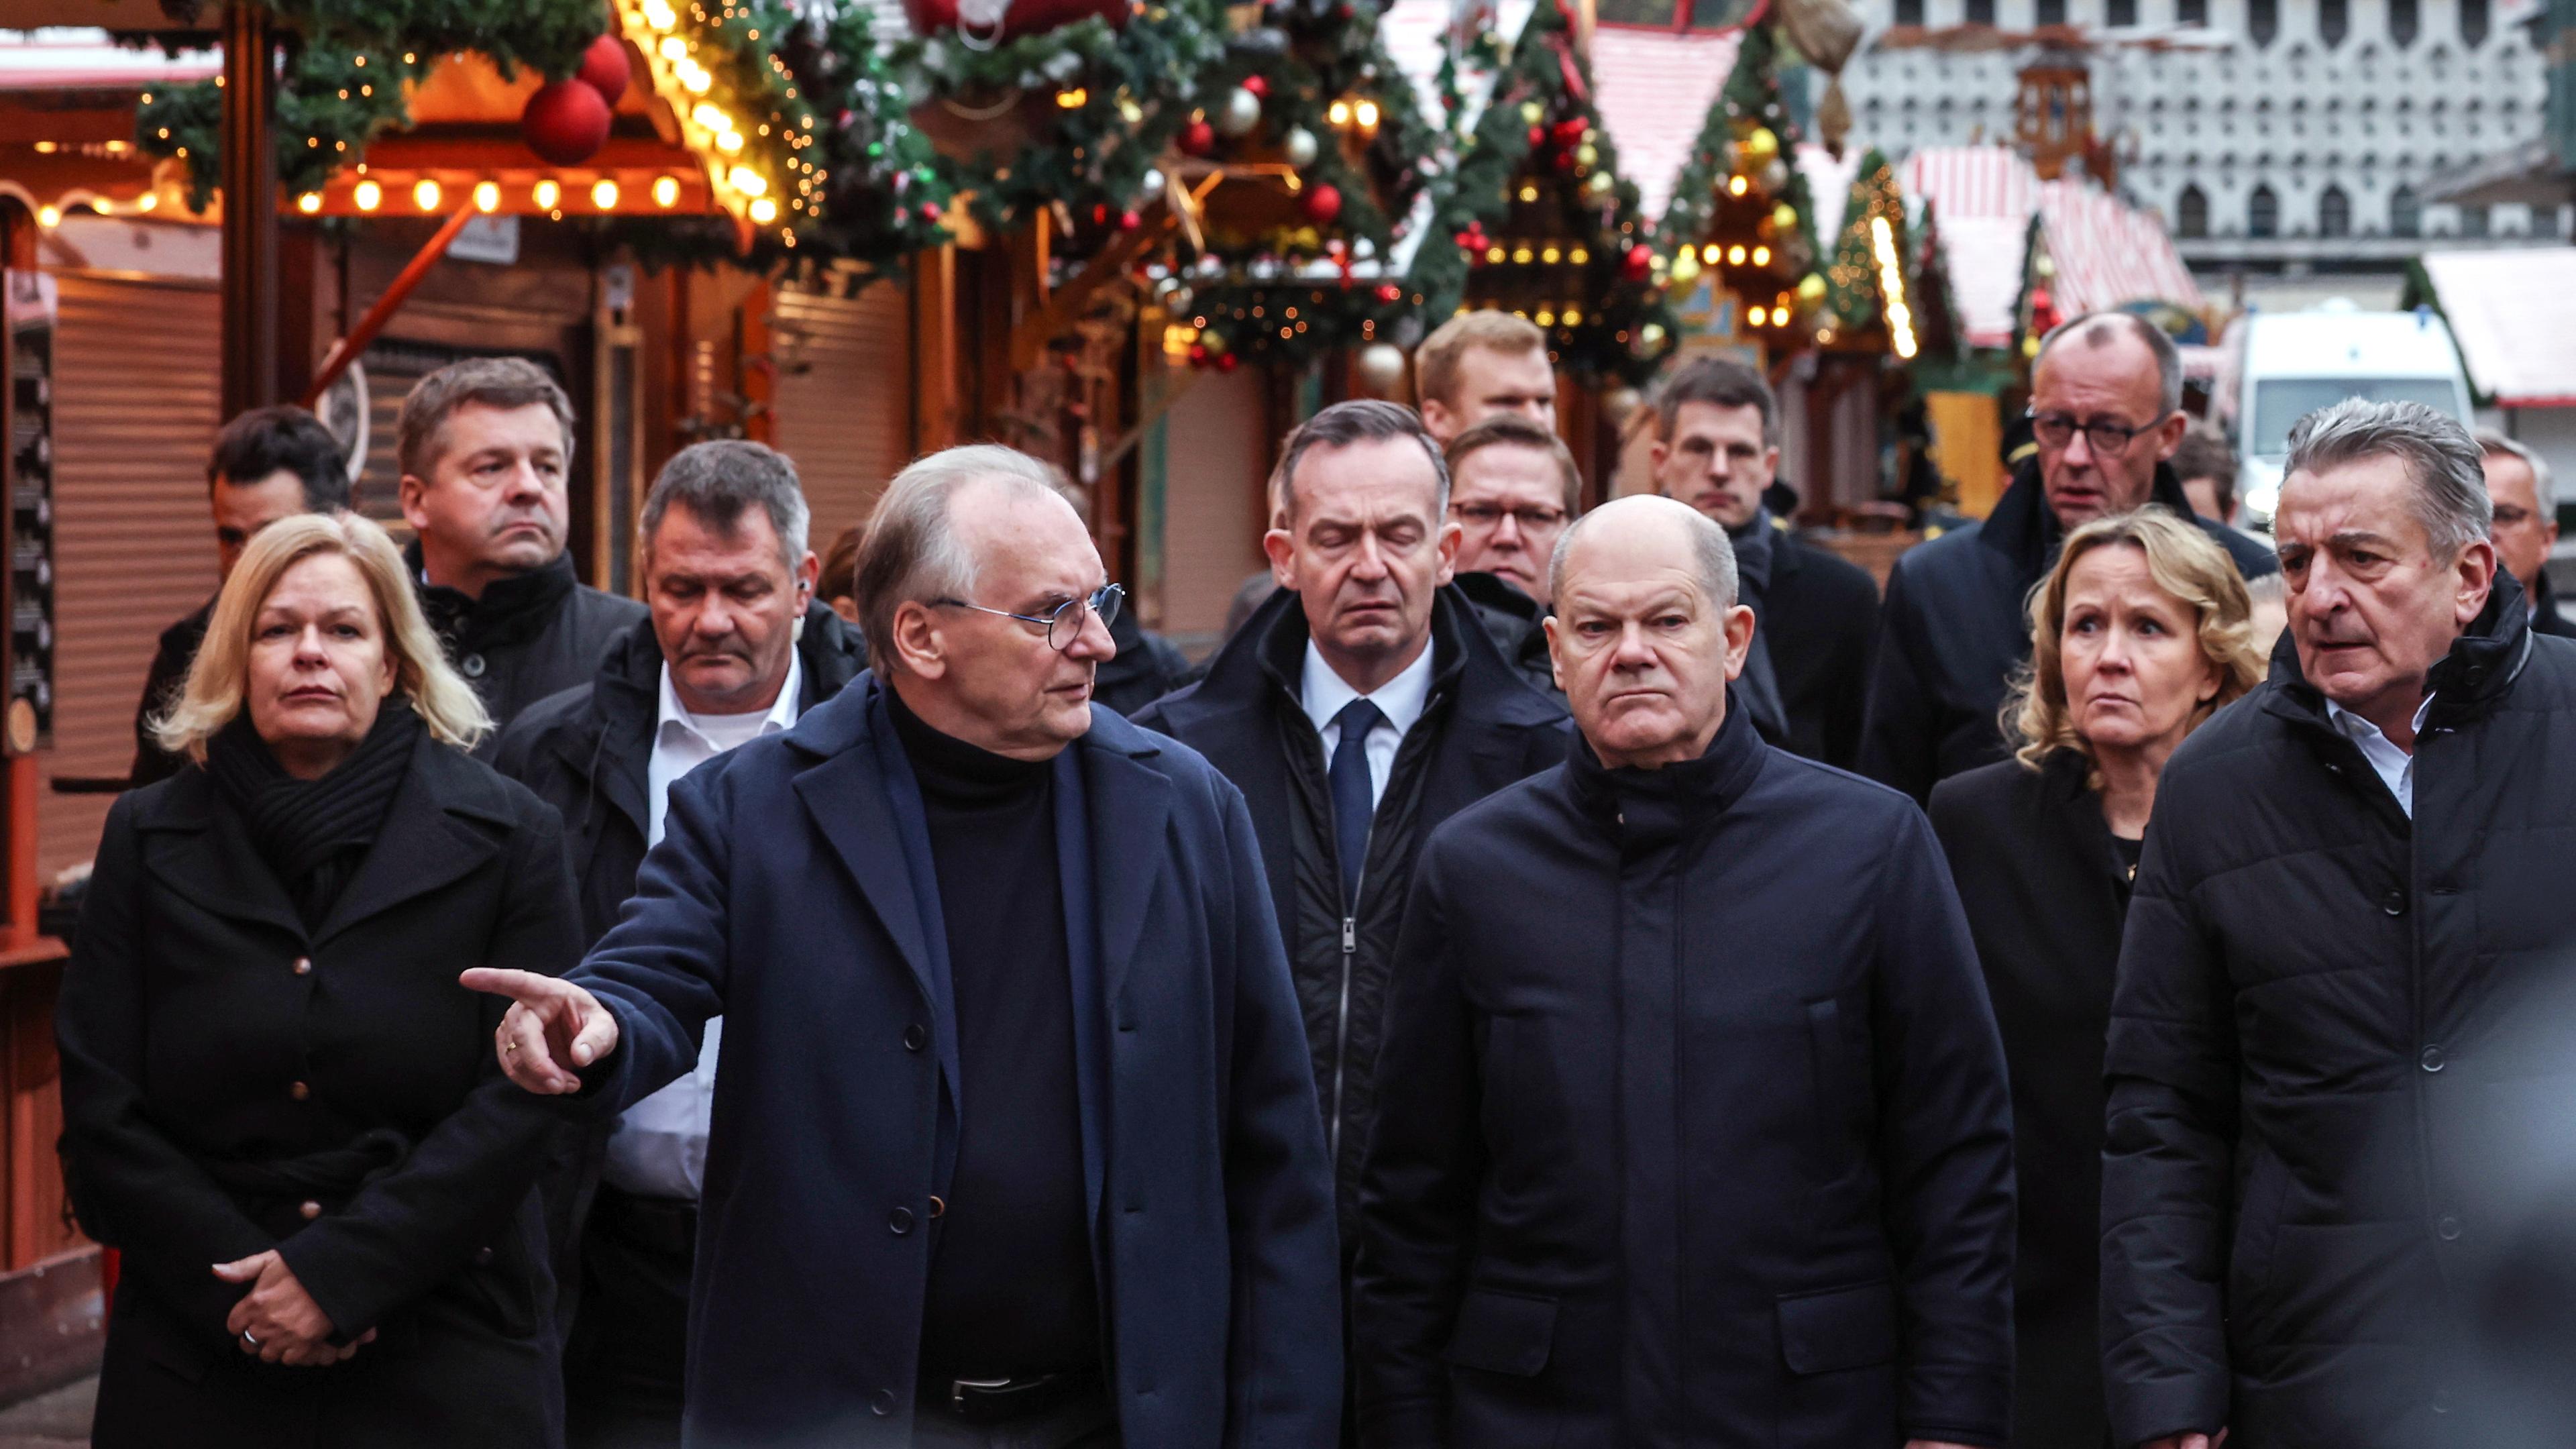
(1063, 623)
(2057, 430)
(1488, 516)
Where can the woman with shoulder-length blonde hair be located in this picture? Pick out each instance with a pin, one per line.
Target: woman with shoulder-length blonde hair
(278, 1102)
(2139, 633)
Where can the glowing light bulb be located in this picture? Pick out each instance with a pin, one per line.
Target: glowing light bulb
(1761, 256)
(309, 203)
(603, 194)
(425, 194)
(49, 216)
(547, 194)
(666, 191)
(1366, 112)
(764, 211)
(674, 48)
(487, 196)
(1737, 186)
(747, 181)
(1339, 114)
(368, 195)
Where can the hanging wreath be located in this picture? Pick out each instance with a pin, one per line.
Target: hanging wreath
(1325, 148)
(1067, 114)
(1535, 219)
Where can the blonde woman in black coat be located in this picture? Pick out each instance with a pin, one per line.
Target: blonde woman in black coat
(2138, 634)
(278, 1102)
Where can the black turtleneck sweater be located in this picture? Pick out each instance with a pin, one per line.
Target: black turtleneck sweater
(1011, 1288)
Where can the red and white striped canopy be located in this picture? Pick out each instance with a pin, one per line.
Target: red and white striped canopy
(1654, 88)
(2106, 252)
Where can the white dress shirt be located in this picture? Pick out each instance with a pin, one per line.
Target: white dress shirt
(1401, 700)
(659, 1147)
(2396, 767)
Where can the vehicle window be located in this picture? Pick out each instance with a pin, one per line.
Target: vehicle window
(2280, 402)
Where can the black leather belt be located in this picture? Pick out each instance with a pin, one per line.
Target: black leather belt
(999, 1401)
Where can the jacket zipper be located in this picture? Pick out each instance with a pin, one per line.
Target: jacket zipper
(1342, 1026)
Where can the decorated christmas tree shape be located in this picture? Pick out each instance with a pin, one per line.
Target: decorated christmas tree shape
(1303, 161)
(1740, 227)
(1872, 296)
(1536, 220)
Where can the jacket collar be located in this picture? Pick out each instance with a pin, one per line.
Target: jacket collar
(610, 744)
(1755, 551)
(1261, 664)
(508, 610)
(1645, 809)
(2024, 529)
(449, 817)
(2466, 683)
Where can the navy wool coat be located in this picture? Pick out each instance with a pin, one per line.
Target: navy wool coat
(791, 893)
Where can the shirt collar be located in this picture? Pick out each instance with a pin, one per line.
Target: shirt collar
(2355, 727)
(781, 716)
(1401, 699)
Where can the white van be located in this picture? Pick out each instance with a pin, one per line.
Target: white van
(2289, 364)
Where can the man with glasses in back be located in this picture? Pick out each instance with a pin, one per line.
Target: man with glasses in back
(1357, 710)
(1513, 488)
(2106, 408)
(1014, 1142)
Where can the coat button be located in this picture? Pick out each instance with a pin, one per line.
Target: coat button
(298, 1090)
(310, 1210)
(2393, 901)
(899, 1222)
(938, 1207)
(303, 965)
(471, 666)
(881, 1403)
(2449, 1229)
(915, 1037)
(2432, 1059)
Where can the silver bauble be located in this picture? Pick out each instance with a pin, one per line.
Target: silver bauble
(1242, 112)
(1382, 367)
(1298, 146)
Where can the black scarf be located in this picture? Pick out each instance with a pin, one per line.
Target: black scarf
(510, 611)
(314, 833)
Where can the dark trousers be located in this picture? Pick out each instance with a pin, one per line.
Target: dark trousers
(627, 1356)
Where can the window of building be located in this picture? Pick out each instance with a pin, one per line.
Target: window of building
(1981, 12)
(2474, 221)
(2473, 22)
(2191, 12)
(2334, 213)
(2119, 14)
(2334, 20)
(2403, 21)
(1909, 12)
(2263, 213)
(2191, 213)
(2052, 12)
(2405, 213)
(2263, 20)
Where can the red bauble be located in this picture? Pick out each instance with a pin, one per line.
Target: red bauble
(1538, 135)
(1322, 202)
(566, 123)
(1639, 264)
(1129, 221)
(1390, 292)
(1225, 362)
(1570, 133)
(1258, 85)
(605, 68)
(1198, 138)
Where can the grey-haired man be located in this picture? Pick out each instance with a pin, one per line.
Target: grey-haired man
(2341, 1031)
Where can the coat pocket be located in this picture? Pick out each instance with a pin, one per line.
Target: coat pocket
(1502, 1333)
(1834, 1329)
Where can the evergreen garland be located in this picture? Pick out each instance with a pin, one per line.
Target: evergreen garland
(1747, 131)
(1529, 143)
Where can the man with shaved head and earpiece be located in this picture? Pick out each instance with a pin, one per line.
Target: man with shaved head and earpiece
(1692, 1124)
(1014, 1141)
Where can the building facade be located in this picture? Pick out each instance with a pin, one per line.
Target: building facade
(2267, 132)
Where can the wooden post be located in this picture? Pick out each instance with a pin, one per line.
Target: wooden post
(250, 277)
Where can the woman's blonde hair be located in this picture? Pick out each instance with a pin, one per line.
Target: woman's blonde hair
(213, 696)
(2184, 562)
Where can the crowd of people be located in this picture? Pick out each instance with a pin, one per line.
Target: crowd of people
(1547, 978)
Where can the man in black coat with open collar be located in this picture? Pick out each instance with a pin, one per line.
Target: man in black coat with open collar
(1693, 1127)
(1014, 1138)
(2106, 406)
(2343, 1035)
(737, 647)
(1717, 448)
(1364, 621)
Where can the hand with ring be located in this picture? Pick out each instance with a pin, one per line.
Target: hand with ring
(277, 1321)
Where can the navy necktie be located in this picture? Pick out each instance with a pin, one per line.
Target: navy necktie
(1353, 802)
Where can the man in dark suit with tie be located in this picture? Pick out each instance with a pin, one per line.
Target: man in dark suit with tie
(1359, 708)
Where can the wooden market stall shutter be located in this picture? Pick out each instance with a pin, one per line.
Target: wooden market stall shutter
(136, 394)
(842, 403)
